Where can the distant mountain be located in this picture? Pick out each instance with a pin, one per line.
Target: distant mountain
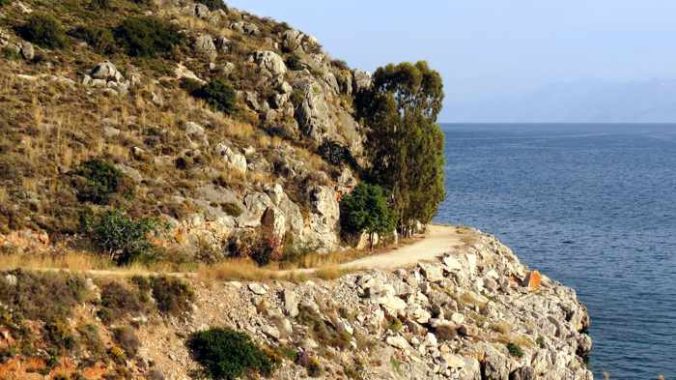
(580, 101)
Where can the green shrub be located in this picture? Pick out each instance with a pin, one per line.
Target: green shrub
(366, 209)
(191, 85)
(294, 63)
(4, 2)
(42, 296)
(148, 36)
(262, 253)
(227, 354)
(214, 4)
(44, 30)
(172, 296)
(118, 301)
(336, 154)
(97, 180)
(60, 335)
(11, 54)
(99, 39)
(101, 4)
(514, 350)
(122, 238)
(219, 95)
(126, 338)
(232, 209)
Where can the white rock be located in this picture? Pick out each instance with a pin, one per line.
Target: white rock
(257, 289)
(433, 273)
(398, 341)
(457, 318)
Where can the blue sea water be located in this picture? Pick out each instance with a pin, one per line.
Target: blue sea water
(593, 206)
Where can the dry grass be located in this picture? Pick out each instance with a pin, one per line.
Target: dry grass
(73, 261)
(341, 257)
(246, 270)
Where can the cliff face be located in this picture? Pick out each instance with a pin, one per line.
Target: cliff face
(276, 165)
(478, 313)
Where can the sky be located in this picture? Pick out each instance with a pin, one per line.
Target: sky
(486, 49)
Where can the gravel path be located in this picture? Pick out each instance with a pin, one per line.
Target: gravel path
(438, 241)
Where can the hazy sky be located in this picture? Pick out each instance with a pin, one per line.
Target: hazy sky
(492, 47)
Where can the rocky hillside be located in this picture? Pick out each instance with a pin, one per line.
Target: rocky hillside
(224, 125)
(476, 314)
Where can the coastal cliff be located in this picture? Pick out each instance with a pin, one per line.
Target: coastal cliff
(156, 137)
(476, 313)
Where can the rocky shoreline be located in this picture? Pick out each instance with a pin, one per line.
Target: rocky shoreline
(476, 313)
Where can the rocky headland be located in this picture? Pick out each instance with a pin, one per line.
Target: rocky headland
(475, 313)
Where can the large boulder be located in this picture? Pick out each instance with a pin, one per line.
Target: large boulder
(274, 224)
(106, 75)
(232, 158)
(292, 40)
(271, 65)
(204, 45)
(313, 113)
(255, 205)
(362, 80)
(495, 365)
(321, 232)
(27, 50)
(106, 70)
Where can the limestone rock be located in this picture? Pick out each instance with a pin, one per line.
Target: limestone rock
(27, 50)
(313, 113)
(362, 80)
(232, 158)
(290, 300)
(292, 40)
(398, 341)
(321, 230)
(257, 289)
(204, 45)
(271, 65)
(523, 373)
(274, 224)
(201, 11)
(432, 272)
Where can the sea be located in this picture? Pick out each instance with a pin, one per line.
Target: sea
(594, 207)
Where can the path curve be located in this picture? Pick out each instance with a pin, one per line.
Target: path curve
(437, 241)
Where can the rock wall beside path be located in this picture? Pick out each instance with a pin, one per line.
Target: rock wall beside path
(474, 314)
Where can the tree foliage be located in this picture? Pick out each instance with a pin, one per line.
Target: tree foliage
(122, 238)
(404, 143)
(366, 209)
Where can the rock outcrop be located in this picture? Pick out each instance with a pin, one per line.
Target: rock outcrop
(436, 321)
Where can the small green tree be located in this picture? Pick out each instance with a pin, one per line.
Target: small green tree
(228, 355)
(366, 209)
(122, 238)
(44, 30)
(218, 94)
(404, 144)
(99, 39)
(97, 181)
(148, 36)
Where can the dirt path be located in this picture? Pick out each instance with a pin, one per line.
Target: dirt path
(437, 241)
